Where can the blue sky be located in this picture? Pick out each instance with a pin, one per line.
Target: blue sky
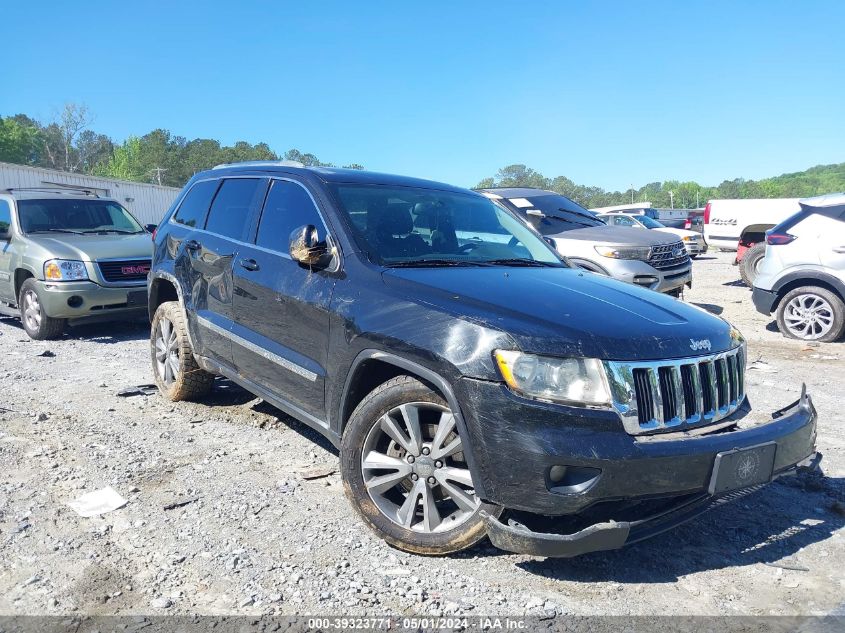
(605, 93)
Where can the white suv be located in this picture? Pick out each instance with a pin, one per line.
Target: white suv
(802, 277)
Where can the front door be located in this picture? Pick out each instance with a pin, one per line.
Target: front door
(281, 307)
(7, 288)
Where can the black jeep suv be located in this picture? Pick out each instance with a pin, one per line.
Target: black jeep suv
(474, 383)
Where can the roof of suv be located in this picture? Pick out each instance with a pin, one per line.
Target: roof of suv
(519, 192)
(335, 175)
(35, 193)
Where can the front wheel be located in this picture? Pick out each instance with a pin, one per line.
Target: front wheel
(176, 372)
(405, 472)
(811, 313)
(38, 325)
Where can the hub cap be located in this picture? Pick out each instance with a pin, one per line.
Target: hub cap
(31, 310)
(414, 469)
(167, 352)
(808, 316)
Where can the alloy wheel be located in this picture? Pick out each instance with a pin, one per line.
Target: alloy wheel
(414, 469)
(167, 352)
(31, 310)
(808, 316)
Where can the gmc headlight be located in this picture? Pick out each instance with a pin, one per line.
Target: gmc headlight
(576, 381)
(64, 270)
(625, 252)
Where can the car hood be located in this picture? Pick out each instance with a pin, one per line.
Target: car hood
(93, 247)
(568, 312)
(615, 235)
(679, 232)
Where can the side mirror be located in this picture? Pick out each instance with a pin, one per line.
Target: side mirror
(150, 228)
(306, 247)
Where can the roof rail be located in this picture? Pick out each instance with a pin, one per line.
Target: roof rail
(56, 189)
(261, 163)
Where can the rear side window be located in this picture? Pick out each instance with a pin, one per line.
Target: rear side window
(231, 210)
(194, 207)
(5, 216)
(288, 207)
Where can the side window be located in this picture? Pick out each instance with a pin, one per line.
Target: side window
(288, 207)
(621, 220)
(195, 204)
(230, 212)
(5, 216)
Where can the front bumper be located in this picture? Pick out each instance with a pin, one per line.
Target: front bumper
(517, 442)
(698, 247)
(764, 300)
(643, 274)
(81, 299)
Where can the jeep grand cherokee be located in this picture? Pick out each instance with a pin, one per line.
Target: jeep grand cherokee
(473, 382)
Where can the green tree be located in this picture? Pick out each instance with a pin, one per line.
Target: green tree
(19, 143)
(125, 162)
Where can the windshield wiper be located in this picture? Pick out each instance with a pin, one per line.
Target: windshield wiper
(104, 231)
(522, 261)
(54, 231)
(414, 263)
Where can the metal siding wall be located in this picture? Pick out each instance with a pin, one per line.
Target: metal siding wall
(149, 202)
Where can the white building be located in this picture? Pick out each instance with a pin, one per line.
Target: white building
(148, 203)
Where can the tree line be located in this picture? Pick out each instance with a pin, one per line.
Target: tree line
(680, 195)
(69, 144)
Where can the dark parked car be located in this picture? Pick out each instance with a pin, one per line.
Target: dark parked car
(473, 382)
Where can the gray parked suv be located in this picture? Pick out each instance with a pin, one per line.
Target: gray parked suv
(649, 259)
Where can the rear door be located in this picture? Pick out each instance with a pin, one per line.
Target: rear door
(281, 307)
(205, 259)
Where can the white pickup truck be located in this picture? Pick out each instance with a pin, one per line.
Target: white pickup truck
(741, 225)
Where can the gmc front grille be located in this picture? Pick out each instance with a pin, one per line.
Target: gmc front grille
(677, 394)
(116, 271)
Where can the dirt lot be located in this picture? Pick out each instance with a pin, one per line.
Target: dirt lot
(256, 537)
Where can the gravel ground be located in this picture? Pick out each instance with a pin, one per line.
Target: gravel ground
(254, 536)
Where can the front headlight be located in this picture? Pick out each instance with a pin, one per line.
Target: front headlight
(687, 238)
(625, 252)
(576, 381)
(64, 270)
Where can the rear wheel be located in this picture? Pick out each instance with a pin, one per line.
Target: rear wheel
(811, 313)
(405, 471)
(176, 372)
(38, 325)
(749, 267)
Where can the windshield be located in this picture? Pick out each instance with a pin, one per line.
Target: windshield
(562, 214)
(409, 226)
(650, 223)
(75, 216)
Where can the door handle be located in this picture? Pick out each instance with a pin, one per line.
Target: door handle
(192, 245)
(249, 264)
(839, 249)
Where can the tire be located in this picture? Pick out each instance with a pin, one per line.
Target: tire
(380, 429)
(176, 372)
(38, 325)
(811, 313)
(750, 261)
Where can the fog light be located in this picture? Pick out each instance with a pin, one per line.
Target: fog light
(643, 280)
(75, 301)
(569, 480)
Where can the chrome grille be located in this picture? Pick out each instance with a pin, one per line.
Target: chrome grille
(677, 394)
(668, 255)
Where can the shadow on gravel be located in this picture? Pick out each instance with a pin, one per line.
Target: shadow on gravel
(705, 258)
(770, 525)
(712, 308)
(738, 283)
(109, 332)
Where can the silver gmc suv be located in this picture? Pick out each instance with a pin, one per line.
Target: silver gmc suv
(649, 259)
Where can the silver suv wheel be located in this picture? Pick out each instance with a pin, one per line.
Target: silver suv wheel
(808, 316)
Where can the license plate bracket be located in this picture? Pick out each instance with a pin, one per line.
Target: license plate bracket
(136, 299)
(743, 467)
